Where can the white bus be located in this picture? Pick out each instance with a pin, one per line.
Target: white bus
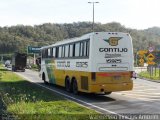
(93, 63)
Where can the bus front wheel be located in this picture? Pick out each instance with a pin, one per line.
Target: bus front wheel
(44, 78)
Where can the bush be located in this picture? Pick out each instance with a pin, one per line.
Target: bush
(34, 66)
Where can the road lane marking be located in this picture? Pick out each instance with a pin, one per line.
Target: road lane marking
(142, 96)
(73, 98)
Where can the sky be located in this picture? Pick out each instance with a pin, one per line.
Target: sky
(136, 14)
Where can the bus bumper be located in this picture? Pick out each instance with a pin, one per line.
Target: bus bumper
(110, 87)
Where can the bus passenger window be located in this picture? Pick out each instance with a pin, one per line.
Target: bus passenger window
(87, 48)
(60, 52)
(57, 51)
(81, 49)
(46, 53)
(63, 51)
(43, 53)
(49, 52)
(77, 47)
(71, 50)
(66, 50)
(53, 52)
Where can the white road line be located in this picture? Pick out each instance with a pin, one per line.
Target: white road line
(142, 92)
(142, 96)
(121, 116)
(139, 95)
(150, 99)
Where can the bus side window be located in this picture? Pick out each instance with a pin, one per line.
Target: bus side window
(66, 50)
(57, 52)
(82, 49)
(87, 48)
(77, 49)
(46, 53)
(43, 53)
(63, 52)
(74, 50)
(71, 50)
(53, 52)
(49, 52)
(60, 52)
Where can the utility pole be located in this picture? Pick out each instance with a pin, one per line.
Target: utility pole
(93, 14)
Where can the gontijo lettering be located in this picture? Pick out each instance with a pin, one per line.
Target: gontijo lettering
(113, 49)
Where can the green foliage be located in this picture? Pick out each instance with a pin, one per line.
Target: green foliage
(17, 38)
(34, 67)
(154, 76)
(28, 101)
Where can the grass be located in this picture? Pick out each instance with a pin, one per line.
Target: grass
(146, 74)
(25, 101)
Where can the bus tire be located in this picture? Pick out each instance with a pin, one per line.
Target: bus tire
(67, 84)
(44, 78)
(75, 87)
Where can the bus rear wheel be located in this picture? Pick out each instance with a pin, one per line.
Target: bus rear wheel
(75, 87)
(67, 84)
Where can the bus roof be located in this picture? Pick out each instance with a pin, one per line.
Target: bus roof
(83, 37)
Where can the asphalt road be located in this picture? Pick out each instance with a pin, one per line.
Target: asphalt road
(144, 98)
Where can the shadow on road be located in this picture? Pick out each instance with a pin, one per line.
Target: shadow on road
(89, 97)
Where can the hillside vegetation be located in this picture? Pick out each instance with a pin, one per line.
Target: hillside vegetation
(17, 38)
